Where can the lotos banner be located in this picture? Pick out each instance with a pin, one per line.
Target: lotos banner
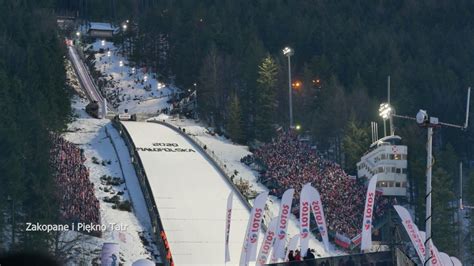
(249, 249)
(435, 257)
(305, 208)
(417, 237)
(228, 217)
(318, 212)
(366, 243)
(412, 231)
(282, 225)
(267, 243)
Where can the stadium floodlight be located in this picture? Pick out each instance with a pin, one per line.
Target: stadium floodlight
(385, 110)
(287, 51)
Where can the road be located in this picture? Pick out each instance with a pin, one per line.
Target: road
(86, 81)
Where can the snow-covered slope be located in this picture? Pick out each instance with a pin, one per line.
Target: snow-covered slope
(129, 87)
(90, 135)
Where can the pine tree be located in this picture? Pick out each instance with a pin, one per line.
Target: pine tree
(266, 104)
(355, 142)
(443, 210)
(234, 121)
(211, 80)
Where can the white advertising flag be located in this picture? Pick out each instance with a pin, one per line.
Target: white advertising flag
(366, 243)
(318, 212)
(249, 249)
(305, 209)
(412, 231)
(282, 226)
(228, 217)
(292, 245)
(267, 243)
(456, 261)
(435, 257)
(445, 259)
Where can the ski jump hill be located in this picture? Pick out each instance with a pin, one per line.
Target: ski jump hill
(186, 195)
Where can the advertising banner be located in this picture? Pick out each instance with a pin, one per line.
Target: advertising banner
(267, 243)
(318, 213)
(305, 209)
(228, 217)
(249, 249)
(366, 243)
(282, 226)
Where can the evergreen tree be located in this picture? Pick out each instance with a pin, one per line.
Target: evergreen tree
(234, 120)
(266, 104)
(443, 211)
(355, 143)
(212, 81)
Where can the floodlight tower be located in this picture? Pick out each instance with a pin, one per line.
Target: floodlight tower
(287, 51)
(429, 122)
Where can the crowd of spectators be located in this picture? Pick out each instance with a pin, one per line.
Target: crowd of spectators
(290, 163)
(77, 201)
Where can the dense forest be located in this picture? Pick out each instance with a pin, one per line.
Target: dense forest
(33, 103)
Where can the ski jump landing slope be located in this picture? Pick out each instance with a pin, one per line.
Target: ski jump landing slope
(191, 196)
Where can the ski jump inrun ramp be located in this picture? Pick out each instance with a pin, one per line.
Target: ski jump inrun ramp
(190, 194)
